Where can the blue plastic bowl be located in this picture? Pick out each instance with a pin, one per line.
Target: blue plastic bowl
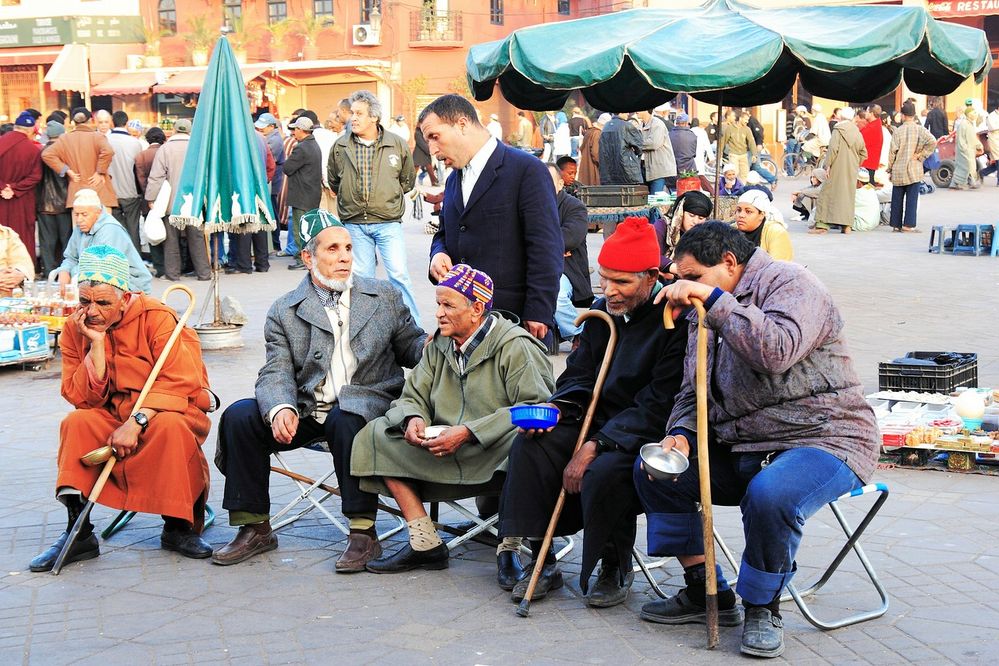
(533, 416)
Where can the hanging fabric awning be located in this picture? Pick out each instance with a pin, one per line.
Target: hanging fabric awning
(191, 80)
(71, 69)
(127, 83)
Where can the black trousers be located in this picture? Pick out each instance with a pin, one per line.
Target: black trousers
(246, 443)
(606, 509)
(127, 213)
(53, 237)
(240, 247)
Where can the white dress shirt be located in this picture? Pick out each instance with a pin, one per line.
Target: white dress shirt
(470, 174)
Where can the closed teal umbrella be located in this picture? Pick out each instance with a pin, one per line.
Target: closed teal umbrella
(223, 186)
(724, 50)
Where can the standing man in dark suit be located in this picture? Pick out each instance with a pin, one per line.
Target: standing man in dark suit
(336, 346)
(499, 214)
(304, 171)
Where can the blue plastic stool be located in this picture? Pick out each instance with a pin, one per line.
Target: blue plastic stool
(995, 241)
(968, 239)
(937, 234)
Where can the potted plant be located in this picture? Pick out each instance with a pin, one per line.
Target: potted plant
(238, 36)
(201, 37)
(687, 181)
(279, 31)
(152, 36)
(310, 28)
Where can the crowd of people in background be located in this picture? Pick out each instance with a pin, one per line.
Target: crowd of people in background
(866, 168)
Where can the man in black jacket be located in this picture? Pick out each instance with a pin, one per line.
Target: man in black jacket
(303, 169)
(636, 400)
(574, 286)
(620, 151)
(936, 119)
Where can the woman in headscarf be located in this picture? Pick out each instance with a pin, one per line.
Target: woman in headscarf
(561, 145)
(754, 217)
(689, 210)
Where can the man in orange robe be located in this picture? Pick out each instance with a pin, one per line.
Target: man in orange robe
(109, 346)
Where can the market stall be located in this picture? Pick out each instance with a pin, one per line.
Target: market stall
(31, 320)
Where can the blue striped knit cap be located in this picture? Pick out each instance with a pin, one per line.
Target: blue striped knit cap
(103, 263)
(470, 283)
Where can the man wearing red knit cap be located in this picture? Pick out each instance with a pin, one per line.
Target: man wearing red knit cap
(634, 404)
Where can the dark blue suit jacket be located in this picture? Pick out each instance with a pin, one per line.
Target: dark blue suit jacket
(510, 229)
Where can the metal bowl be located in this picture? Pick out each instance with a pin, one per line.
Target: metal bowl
(433, 431)
(661, 465)
(97, 456)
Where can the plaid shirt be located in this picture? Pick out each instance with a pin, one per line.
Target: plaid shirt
(464, 352)
(910, 145)
(365, 156)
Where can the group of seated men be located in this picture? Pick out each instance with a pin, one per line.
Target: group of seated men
(790, 429)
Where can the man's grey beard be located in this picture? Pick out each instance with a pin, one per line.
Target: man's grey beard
(330, 283)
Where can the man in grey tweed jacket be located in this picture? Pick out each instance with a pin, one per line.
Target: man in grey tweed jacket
(336, 346)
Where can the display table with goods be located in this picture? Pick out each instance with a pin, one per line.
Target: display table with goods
(929, 404)
(30, 323)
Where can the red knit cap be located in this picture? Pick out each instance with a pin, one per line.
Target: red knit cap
(632, 247)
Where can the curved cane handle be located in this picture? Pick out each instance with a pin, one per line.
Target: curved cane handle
(668, 313)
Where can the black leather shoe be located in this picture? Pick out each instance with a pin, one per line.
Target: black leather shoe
(187, 543)
(680, 609)
(763, 633)
(509, 570)
(550, 579)
(407, 559)
(608, 591)
(85, 548)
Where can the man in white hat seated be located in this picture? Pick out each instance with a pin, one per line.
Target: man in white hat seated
(477, 367)
(94, 225)
(336, 347)
(109, 347)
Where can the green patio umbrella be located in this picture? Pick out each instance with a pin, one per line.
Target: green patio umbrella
(223, 186)
(727, 52)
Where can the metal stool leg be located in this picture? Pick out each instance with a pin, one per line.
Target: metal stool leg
(852, 543)
(645, 568)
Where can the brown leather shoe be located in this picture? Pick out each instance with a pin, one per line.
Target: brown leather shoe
(362, 547)
(250, 540)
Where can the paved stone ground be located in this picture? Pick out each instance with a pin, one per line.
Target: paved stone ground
(932, 544)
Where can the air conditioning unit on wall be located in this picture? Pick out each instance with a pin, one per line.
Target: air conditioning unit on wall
(366, 35)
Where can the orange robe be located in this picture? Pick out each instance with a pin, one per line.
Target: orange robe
(169, 474)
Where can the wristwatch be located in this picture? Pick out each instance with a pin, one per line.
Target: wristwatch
(603, 446)
(142, 420)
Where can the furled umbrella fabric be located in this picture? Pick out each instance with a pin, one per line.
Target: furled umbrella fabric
(724, 50)
(223, 185)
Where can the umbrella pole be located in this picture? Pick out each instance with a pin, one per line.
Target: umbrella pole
(718, 157)
(216, 297)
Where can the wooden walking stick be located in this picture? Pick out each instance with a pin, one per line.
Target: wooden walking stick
(524, 609)
(703, 469)
(105, 454)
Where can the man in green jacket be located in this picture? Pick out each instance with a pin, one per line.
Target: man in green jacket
(371, 171)
(477, 366)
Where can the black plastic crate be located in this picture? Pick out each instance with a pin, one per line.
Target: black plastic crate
(939, 378)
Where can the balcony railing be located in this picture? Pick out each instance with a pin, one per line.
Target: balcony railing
(435, 26)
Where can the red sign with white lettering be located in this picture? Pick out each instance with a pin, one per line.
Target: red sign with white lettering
(957, 8)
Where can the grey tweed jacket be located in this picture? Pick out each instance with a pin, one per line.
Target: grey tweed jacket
(299, 342)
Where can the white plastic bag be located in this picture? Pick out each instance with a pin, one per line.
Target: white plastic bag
(153, 226)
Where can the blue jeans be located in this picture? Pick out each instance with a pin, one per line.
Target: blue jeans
(903, 205)
(294, 229)
(657, 185)
(775, 502)
(565, 311)
(387, 238)
(757, 166)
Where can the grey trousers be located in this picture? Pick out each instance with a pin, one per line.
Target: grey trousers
(172, 260)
